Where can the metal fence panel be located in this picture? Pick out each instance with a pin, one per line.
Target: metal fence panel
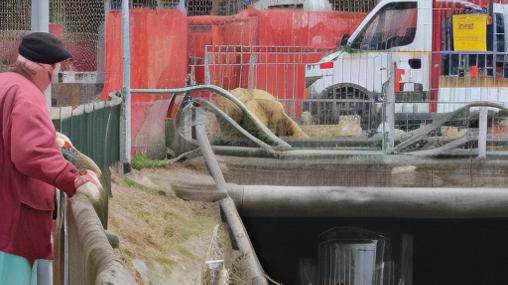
(231, 7)
(94, 129)
(354, 85)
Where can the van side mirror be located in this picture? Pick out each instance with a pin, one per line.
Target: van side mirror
(344, 40)
(415, 63)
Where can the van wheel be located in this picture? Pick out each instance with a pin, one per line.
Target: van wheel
(342, 100)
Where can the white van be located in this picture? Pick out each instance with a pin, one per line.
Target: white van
(444, 54)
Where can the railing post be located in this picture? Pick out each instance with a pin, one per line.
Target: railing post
(126, 89)
(389, 123)
(252, 70)
(40, 23)
(207, 66)
(482, 133)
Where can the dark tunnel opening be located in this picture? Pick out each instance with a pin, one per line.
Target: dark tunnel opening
(443, 251)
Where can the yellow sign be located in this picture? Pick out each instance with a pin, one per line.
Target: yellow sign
(470, 32)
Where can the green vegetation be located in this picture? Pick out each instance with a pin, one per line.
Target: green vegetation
(140, 161)
(133, 184)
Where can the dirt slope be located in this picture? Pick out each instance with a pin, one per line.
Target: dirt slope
(163, 239)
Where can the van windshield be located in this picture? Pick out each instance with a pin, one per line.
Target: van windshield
(394, 25)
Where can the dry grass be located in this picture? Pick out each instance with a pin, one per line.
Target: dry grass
(343, 129)
(170, 235)
(265, 107)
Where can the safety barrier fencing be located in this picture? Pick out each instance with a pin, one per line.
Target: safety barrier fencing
(378, 98)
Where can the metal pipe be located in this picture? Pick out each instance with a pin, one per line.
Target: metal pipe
(269, 136)
(369, 202)
(208, 155)
(217, 111)
(482, 135)
(40, 16)
(126, 88)
(229, 209)
(439, 120)
(390, 109)
(445, 149)
(294, 154)
(40, 23)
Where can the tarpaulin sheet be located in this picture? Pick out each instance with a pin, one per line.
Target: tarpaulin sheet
(158, 49)
(158, 57)
(218, 30)
(280, 72)
(303, 28)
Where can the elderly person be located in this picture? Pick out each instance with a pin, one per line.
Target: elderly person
(31, 165)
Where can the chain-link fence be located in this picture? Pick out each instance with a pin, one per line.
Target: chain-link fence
(357, 6)
(14, 22)
(80, 25)
(364, 6)
(192, 7)
(231, 7)
(356, 96)
(277, 70)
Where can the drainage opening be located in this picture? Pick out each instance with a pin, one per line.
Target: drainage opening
(381, 251)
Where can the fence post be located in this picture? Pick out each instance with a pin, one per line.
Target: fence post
(389, 124)
(252, 71)
(40, 23)
(126, 89)
(482, 135)
(207, 67)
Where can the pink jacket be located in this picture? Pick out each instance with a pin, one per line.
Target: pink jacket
(31, 165)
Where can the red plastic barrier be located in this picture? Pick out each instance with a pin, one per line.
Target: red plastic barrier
(281, 73)
(56, 29)
(301, 28)
(9, 50)
(158, 56)
(218, 30)
(84, 54)
(158, 49)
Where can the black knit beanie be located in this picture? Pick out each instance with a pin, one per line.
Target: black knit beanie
(43, 48)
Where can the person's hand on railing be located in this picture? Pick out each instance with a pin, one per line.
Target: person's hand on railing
(88, 184)
(73, 155)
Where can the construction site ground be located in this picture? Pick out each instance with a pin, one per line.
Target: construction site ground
(163, 239)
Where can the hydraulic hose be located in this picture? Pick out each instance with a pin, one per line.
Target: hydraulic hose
(265, 133)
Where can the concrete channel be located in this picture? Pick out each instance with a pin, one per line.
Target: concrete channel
(432, 220)
(321, 215)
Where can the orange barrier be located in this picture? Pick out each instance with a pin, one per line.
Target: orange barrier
(277, 70)
(163, 41)
(322, 30)
(270, 28)
(218, 30)
(158, 56)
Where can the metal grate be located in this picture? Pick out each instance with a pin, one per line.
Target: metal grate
(80, 23)
(14, 22)
(18, 20)
(363, 6)
(193, 7)
(231, 7)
